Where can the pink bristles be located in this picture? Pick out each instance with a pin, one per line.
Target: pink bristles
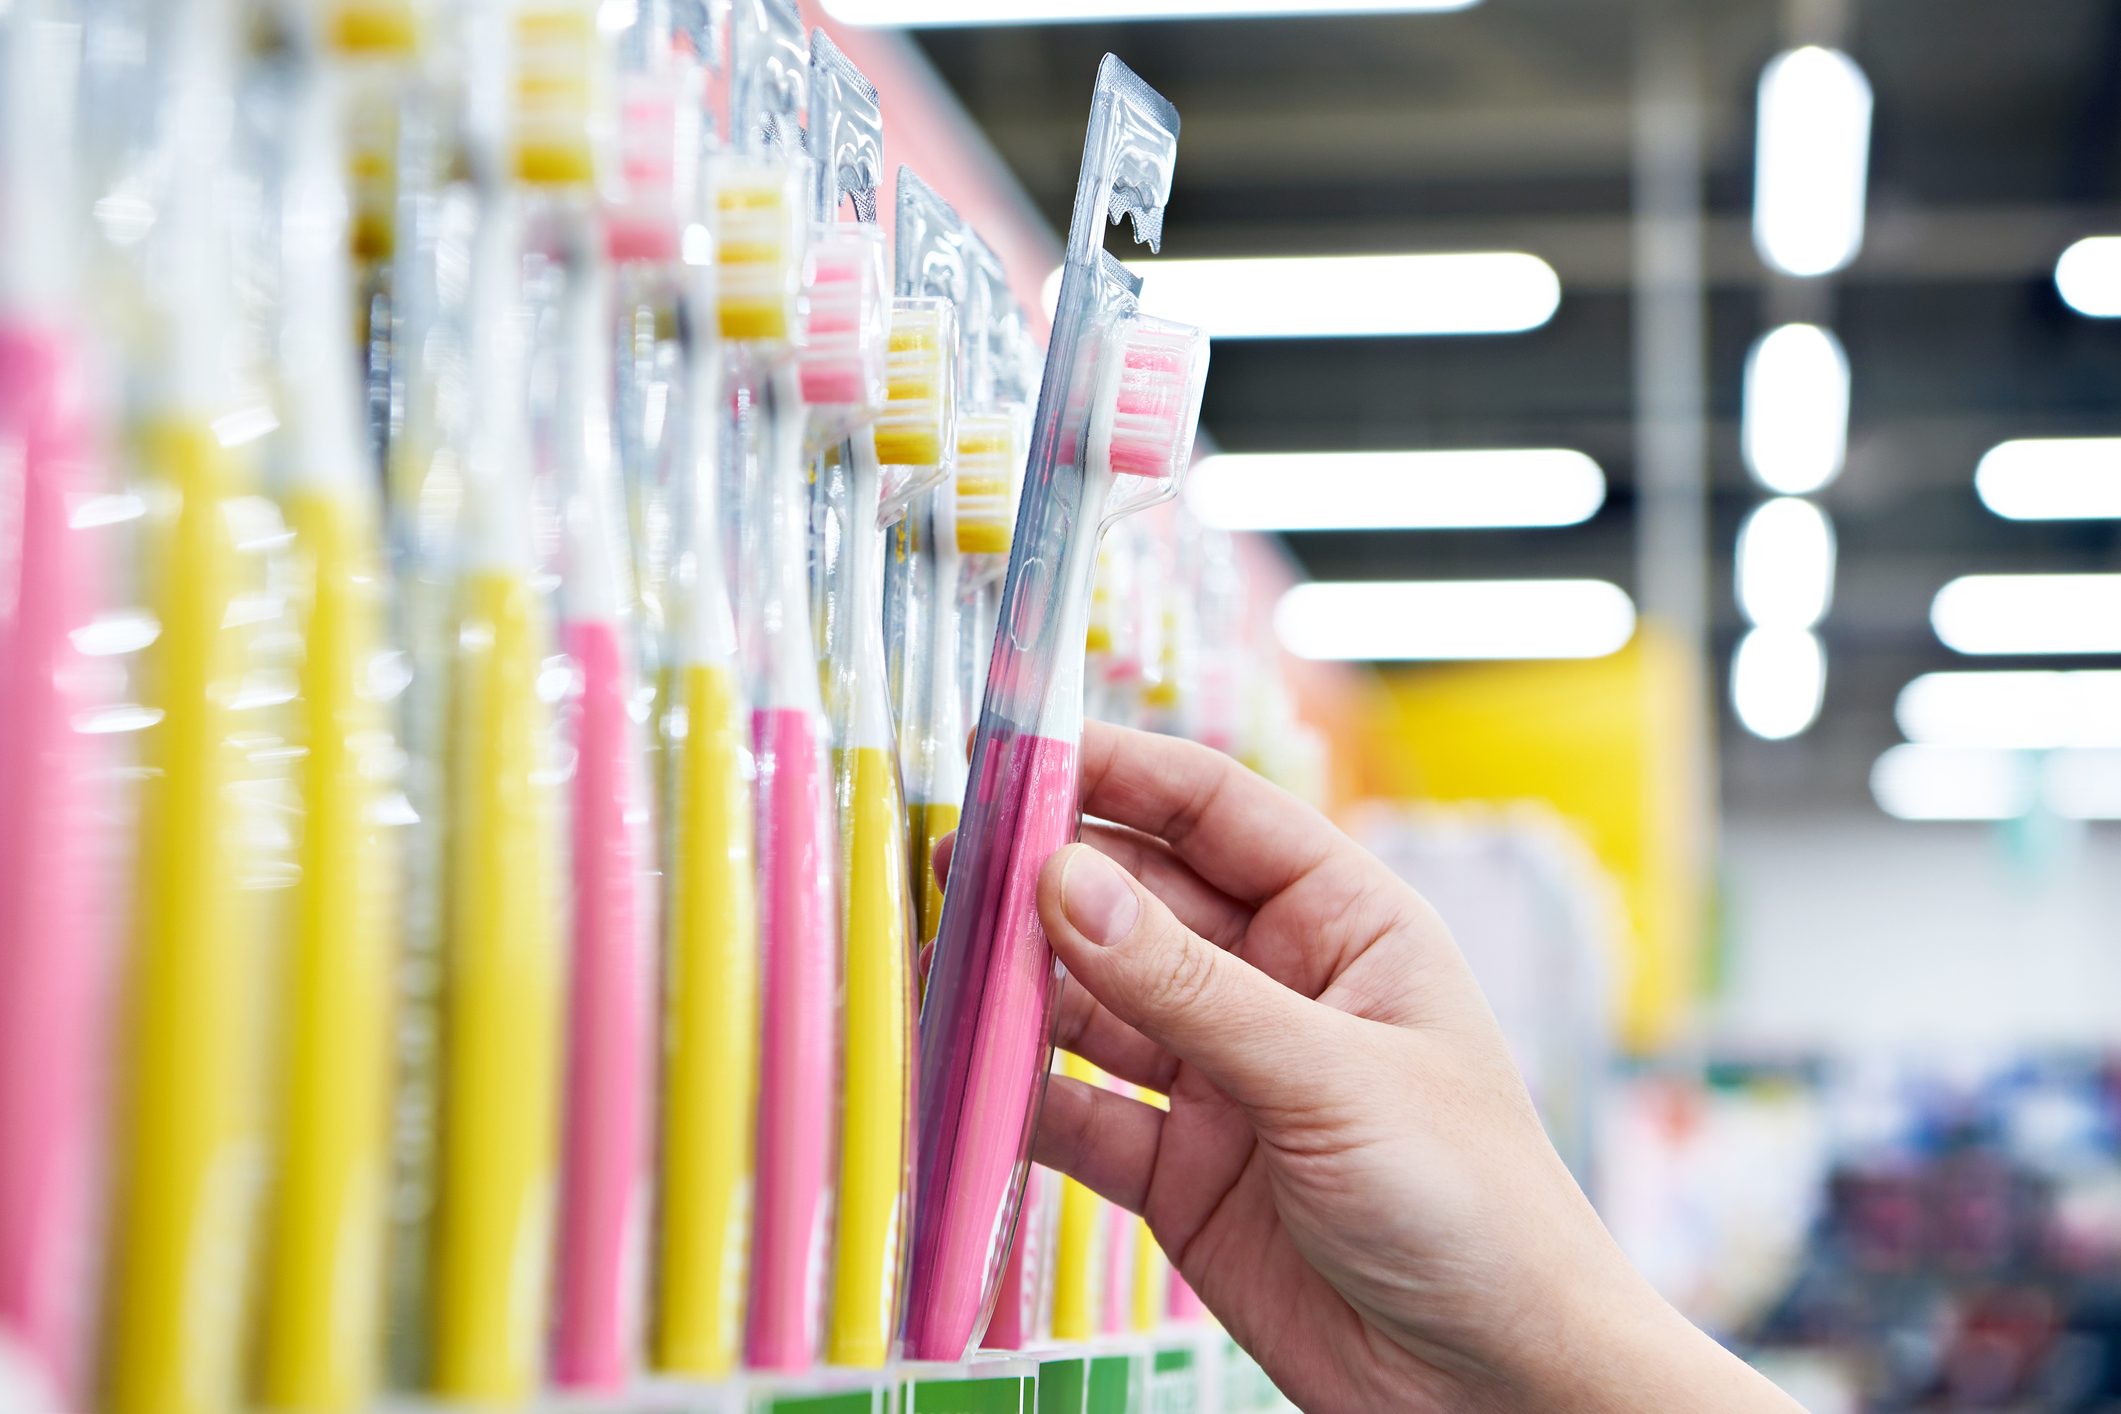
(1150, 401)
(843, 326)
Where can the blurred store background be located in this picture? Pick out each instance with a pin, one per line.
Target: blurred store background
(1808, 339)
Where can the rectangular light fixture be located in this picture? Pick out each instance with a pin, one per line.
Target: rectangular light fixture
(1410, 620)
(1778, 680)
(2030, 613)
(1786, 564)
(1349, 296)
(1457, 490)
(2052, 478)
(1921, 782)
(2088, 276)
(918, 14)
(2021, 711)
(1812, 161)
(1794, 425)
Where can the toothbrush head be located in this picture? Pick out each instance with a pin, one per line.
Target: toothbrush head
(758, 248)
(918, 426)
(1148, 403)
(558, 92)
(844, 319)
(658, 152)
(986, 462)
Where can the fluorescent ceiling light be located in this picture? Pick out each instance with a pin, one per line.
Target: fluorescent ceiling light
(1778, 679)
(1396, 490)
(1794, 428)
(1919, 782)
(2030, 613)
(2052, 478)
(2088, 276)
(1349, 296)
(1954, 783)
(1453, 619)
(2025, 711)
(928, 13)
(1812, 161)
(1786, 564)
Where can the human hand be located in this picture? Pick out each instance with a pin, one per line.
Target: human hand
(1351, 1173)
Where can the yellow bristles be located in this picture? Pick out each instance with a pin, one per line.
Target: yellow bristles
(986, 458)
(375, 27)
(758, 250)
(920, 405)
(558, 89)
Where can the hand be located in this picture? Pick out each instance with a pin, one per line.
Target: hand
(1351, 1174)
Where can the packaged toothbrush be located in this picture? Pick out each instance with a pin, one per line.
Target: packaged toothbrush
(933, 259)
(501, 951)
(321, 1296)
(1152, 1269)
(1114, 431)
(610, 1023)
(562, 98)
(711, 950)
(58, 910)
(760, 210)
(190, 1113)
(856, 371)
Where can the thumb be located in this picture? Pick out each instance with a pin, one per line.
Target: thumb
(1208, 1007)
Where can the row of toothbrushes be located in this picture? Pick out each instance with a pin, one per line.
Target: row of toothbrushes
(534, 999)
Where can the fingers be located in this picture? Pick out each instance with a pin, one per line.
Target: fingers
(1242, 834)
(1102, 1140)
(1201, 906)
(1085, 1027)
(1240, 1028)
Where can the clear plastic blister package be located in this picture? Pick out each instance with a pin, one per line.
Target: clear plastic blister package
(1113, 434)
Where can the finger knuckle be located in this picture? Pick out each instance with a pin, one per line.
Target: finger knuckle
(1183, 978)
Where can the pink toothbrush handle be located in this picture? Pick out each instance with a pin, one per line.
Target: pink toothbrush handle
(54, 914)
(984, 1034)
(606, 1155)
(799, 930)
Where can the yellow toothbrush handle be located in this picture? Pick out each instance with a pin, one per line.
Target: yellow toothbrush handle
(189, 1125)
(1152, 1270)
(324, 1240)
(930, 823)
(500, 1011)
(1076, 1268)
(710, 1079)
(877, 1045)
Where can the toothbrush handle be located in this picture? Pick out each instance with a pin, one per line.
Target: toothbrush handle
(710, 1075)
(55, 921)
(799, 932)
(605, 1156)
(878, 1049)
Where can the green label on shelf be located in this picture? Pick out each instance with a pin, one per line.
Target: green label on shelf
(992, 1395)
(1063, 1386)
(1174, 1383)
(1113, 1389)
(854, 1401)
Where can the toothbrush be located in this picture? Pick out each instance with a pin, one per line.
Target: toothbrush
(1078, 1240)
(888, 465)
(502, 953)
(605, 1156)
(1152, 1270)
(190, 1145)
(55, 918)
(757, 264)
(1119, 402)
(798, 923)
(320, 1299)
(970, 518)
(710, 1062)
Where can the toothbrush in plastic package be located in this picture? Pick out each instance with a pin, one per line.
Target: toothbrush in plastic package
(1114, 432)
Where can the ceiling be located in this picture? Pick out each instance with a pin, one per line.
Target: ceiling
(1996, 141)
